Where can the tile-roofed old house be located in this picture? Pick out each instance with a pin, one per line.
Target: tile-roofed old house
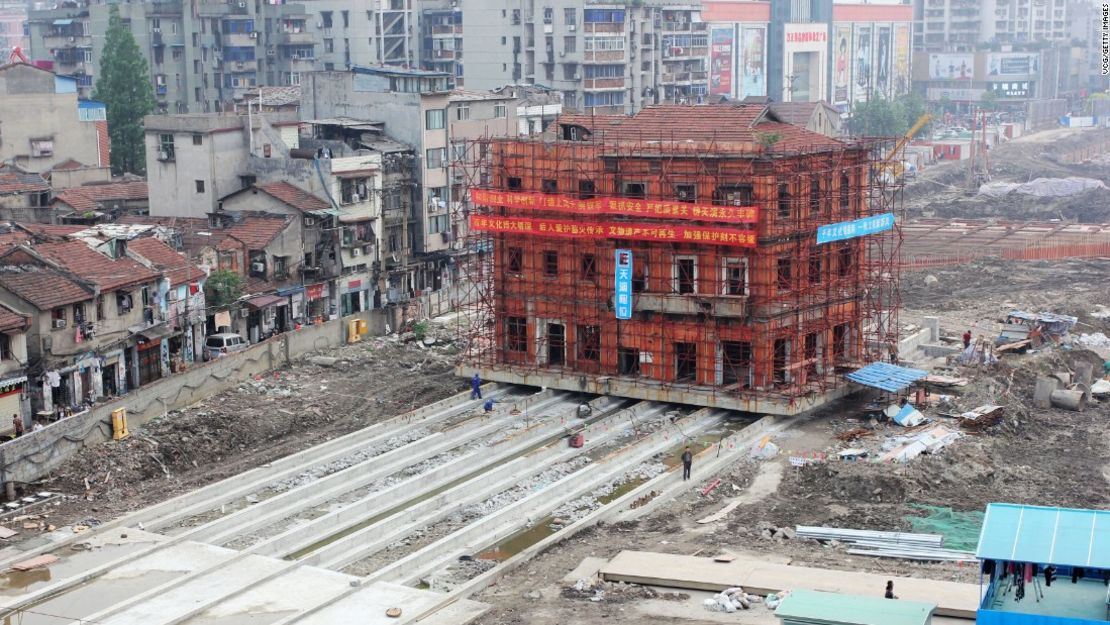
(92, 197)
(173, 265)
(12, 320)
(257, 231)
(69, 164)
(15, 181)
(83, 261)
(38, 283)
(294, 196)
(49, 230)
(730, 127)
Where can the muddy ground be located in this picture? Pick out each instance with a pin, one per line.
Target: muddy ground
(271, 416)
(1047, 457)
(944, 190)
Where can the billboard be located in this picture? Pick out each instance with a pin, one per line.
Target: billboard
(721, 52)
(951, 66)
(861, 64)
(1013, 64)
(902, 54)
(882, 60)
(805, 62)
(842, 64)
(856, 228)
(582, 230)
(753, 61)
(623, 284)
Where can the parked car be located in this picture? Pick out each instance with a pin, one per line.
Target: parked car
(218, 345)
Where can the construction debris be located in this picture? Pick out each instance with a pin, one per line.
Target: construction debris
(927, 547)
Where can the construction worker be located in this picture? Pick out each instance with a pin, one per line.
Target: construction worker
(17, 425)
(476, 387)
(687, 462)
(890, 590)
(967, 339)
(488, 406)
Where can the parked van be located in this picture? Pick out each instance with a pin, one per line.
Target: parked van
(217, 345)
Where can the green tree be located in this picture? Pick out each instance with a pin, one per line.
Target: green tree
(124, 87)
(989, 100)
(222, 288)
(887, 118)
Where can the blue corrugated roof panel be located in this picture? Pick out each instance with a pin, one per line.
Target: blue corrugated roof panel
(1060, 536)
(887, 377)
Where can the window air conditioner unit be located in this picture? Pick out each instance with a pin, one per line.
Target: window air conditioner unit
(356, 252)
(254, 34)
(59, 323)
(241, 5)
(163, 156)
(258, 267)
(310, 221)
(72, 39)
(244, 313)
(355, 199)
(270, 52)
(155, 30)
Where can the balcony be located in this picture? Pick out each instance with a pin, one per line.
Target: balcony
(693, 304)
(295, 39)
(240, 40)
(441, 55)
(679, 78)
(683, 27)
(446, 30)
(603, 84)
(603, 56)
(676, 52)
(603, 27)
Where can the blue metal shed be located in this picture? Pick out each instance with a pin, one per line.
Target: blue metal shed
(1060, 536)
(887, 377)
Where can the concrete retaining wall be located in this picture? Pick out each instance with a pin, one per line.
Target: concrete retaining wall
(34, 455)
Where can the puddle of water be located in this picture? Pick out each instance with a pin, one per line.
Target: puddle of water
(620, 491)
(518, 542)
(71, 561)
(85, 599)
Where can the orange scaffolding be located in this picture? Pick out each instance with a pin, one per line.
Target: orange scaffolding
(733, 302)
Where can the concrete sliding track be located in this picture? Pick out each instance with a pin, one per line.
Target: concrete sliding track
(353, 526)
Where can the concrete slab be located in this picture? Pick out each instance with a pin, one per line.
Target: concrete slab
(588, 568)
(368, 606)
(280, 597)
(761, 577)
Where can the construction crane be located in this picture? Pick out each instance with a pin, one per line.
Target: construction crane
(892, 169)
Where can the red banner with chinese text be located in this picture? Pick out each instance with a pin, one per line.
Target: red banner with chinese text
(623, 230)
(627, 207)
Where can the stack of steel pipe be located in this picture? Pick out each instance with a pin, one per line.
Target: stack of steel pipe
(907, 546)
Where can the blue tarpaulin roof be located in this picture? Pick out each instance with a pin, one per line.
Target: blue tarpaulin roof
(1061, 536)
(891, 378)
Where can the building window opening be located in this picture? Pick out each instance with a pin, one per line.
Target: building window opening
(589, 267)
(815, 267)
(586, 189)
(845, 192)
(784, 201)
(840, 342)
(736, 276)
(550, 263)
(784, 274)
(516, 334)
(814, 195)
(685, 362)
(736, 362)
(514, 184)
(589, 343)
(548, 185)
(780, 360)
(628, 361)
(733, 195)
(556, 344)
(811, 352)
(686, 193)
(845, 261)
(685, 275)
(516, 260)
(640, 274)
(635, 189)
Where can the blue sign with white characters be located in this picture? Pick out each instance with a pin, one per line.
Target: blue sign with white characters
(855, 228)
(623, 283)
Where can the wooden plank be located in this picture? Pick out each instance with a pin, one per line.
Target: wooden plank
(45, 559)
(762, 577)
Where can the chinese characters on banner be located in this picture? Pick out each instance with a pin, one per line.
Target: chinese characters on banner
(657, 209)
(623, 230)
(856, 228)
(623, 282)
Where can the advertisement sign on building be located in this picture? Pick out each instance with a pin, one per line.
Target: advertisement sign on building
(856, 228)
(1014, 89)
(720, 60)
(623, 284)
(951, 66)
(956, 95)
(753, 60)
(805, 62)
(882, 60)
(861, 64)
(842, 64)
(1012, 64)
(902, 54)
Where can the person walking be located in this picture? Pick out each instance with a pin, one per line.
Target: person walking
(476, 387)
(687, 462)
(17, 425)
(967, 339)
(890, 590)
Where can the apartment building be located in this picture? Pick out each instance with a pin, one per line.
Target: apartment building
(65, 127)
(962, 25)
(204, 54)
(602, 57)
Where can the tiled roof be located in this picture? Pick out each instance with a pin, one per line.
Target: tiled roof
(256, 231)
(53, 230)
(42, 286)
(12, 238)
(88, 264)
(68, 165)
(11, 320)
(173, 265)
(719, 124)
(797, 113)
(87, 197)
(293, 196)
(15, 180)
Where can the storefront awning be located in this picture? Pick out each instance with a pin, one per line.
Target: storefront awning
(293, 290)
(155, 333)
(62, 22)
(264, 301)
